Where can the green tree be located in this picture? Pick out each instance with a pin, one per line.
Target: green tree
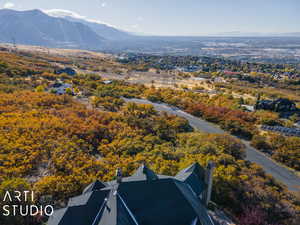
(40, 88)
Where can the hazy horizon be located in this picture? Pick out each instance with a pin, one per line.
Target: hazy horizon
(178, 18)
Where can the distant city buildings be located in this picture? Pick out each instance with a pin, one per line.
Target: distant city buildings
(189, 69)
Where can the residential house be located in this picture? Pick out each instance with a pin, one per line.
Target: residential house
(67, 70)
(107, 82)
(279, 105)
(144, 198)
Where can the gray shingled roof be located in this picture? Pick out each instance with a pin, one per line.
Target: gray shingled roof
(97, 185)
(193, 175)
(142, 199)
(116, 212)
(81, 210)
(144, 173)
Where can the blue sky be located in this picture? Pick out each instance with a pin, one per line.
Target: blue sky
(180, 17)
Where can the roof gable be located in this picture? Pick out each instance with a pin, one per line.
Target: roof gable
(97, 185)
(194, 176)
(116, 212)
(81, 210)
(142, 199)
(144, 173)
(157, 202)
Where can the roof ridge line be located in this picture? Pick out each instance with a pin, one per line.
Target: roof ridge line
(129, 211)
(98, 214)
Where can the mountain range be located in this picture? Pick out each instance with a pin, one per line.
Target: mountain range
(66, 29)
(106, 31)
(35, 27)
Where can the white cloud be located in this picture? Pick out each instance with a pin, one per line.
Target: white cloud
(140, 18)
(61, 13)
(8, 5)
(135, 26)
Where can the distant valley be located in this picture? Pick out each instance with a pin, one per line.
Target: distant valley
(49, 29)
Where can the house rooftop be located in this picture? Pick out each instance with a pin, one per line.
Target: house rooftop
(144, 198)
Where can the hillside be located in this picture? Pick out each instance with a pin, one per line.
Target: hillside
(55, 145)
(103, 30)
(36, 28)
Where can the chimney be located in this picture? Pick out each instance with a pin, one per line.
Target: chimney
(208, 180)
(119, 175)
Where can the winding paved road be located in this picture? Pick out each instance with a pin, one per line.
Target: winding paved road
(280, 173)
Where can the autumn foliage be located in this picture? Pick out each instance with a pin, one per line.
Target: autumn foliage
(57, 146)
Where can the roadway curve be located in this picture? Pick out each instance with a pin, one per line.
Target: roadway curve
(280, 173)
